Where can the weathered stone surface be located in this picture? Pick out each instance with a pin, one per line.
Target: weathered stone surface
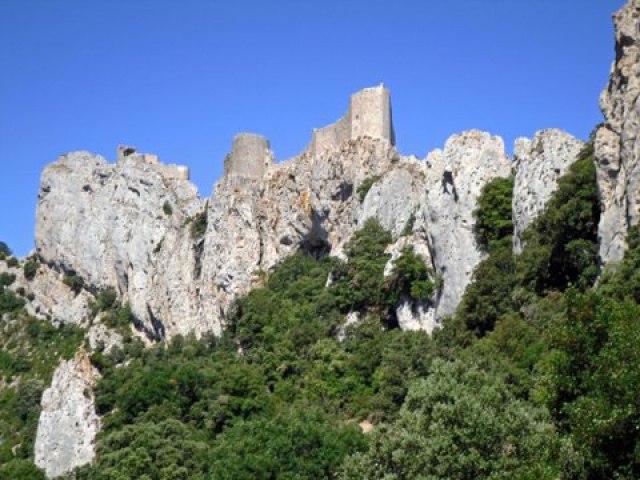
(113, 224)
(130, 225)
(617, 143)
(369, 115)
(455, 177)
(52, 299)
(68, 422)
(101, 338)
(538, 165)
(393, 200)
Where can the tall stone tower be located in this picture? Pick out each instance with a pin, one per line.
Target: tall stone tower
(369, 115)
(250, 156)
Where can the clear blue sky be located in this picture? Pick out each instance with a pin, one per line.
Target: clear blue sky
(179, 78)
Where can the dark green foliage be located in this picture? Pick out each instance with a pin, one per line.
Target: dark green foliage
(167, 209)
(590, 378)
(408, 228)
(165, 449)
(30, 350)
(462, 422)
(622, 280)
(74, 282)
(489, 295)
(365, 186)
(199, 224)
(6, 279)
(561, 244)
(9, 302)
(302, 443)
(12, 262)
(493, 215)
(106, 299)
(30, 268)
(21, 470)
(410, 278)
(359, 283)
(5, 251)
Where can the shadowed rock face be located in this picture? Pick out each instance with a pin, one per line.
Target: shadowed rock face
(68, 421)
(617, 143)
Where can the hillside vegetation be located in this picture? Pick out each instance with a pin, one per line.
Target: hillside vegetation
(535, 377)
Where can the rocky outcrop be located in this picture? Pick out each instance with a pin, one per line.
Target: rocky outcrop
(181, 261)
(538, 164)
(47, 296)
(455, 177)
(617, 141)
(114, 224)
(68, 421)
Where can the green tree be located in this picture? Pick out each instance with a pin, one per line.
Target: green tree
(159, 450)
(493, 214)
(463, 423)
(562, 242)
(302, 443)
(359, 283)
(410, 277)
(21, 470)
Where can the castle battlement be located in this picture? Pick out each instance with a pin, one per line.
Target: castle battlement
(250, 156)
(369, 115)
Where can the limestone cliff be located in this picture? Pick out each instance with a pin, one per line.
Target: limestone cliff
(68, 422)
(180, 261)
(617, 142)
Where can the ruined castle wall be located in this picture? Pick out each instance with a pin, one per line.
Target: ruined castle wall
(332, 136)
(250, 156)
(371, 114)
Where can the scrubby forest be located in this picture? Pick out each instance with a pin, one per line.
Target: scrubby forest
(535, 377)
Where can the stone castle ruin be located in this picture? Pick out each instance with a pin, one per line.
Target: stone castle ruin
(368, 115)
(250, 156)
(170, 172)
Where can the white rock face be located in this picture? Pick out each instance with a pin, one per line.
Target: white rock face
(68, 422)
(102, 338)
(617, 143)
(107, 223)
(414, 316)
(538, 165)
(455, 178)
(110, 224)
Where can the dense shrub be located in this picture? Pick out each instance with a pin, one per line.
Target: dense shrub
(410, 277)
(167, 209)
(359, 283)
(493, 215)
(365, 186)
(199, 224)
(30, 268)
(74, 282)
(462, 422)
(589, 380)
(5, 251)
(302, 443)
(561, 243)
